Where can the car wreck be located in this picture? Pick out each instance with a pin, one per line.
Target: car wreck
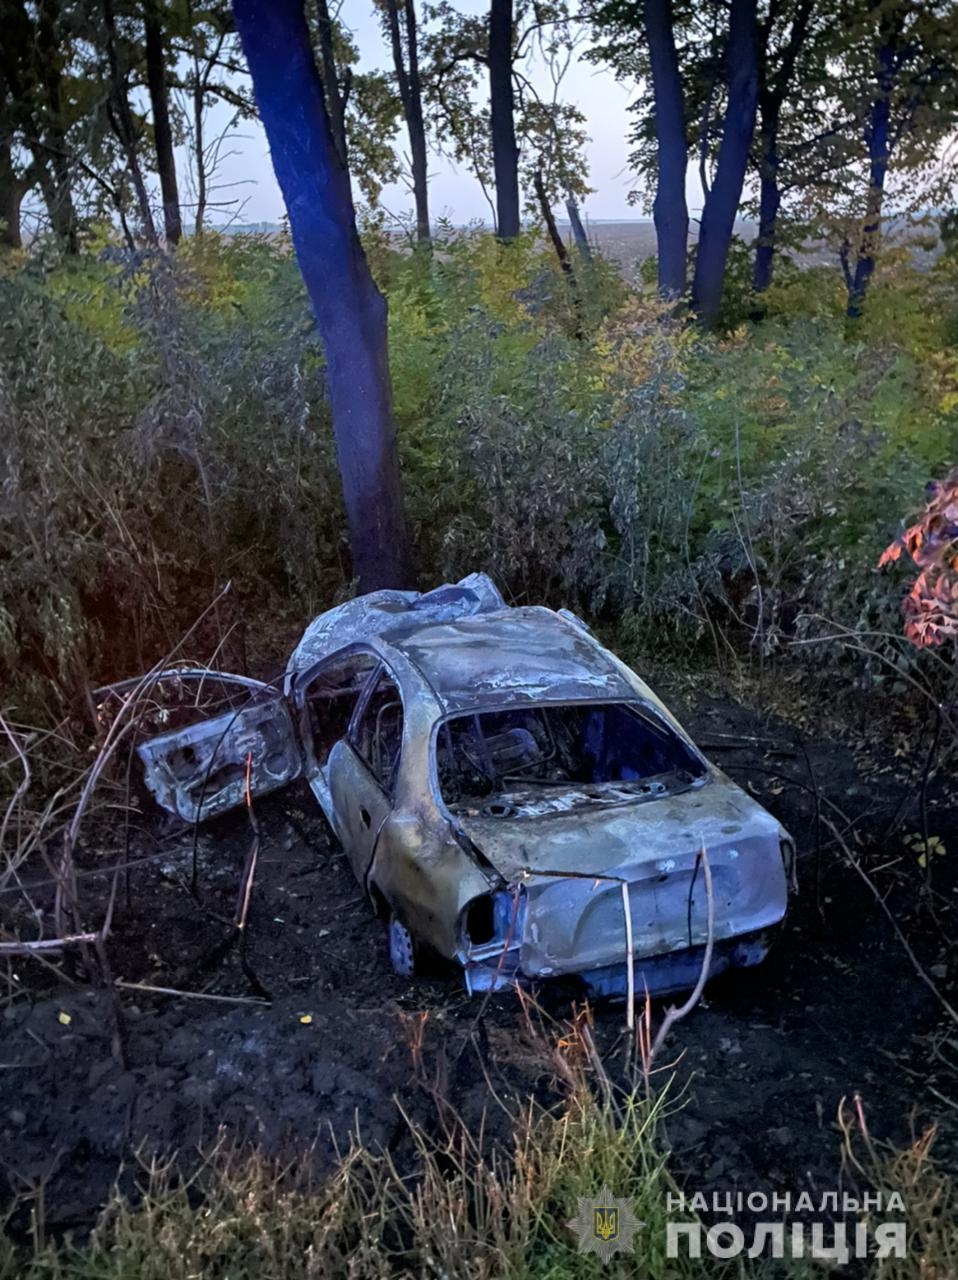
(510, 795)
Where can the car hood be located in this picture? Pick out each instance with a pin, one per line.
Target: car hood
(621, 838)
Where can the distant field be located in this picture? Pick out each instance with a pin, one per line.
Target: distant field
(630, 243)
(627, 243)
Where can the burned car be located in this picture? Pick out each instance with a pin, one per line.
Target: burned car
(495, 777)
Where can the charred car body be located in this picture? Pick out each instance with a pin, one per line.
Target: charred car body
(495, 776)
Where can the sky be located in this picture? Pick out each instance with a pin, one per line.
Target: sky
(453, 192)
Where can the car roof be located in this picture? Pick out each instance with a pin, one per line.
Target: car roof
(519, 654)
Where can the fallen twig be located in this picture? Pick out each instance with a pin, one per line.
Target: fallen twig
(46, 944)
(246, 883)
(22, 787)
(187, 995)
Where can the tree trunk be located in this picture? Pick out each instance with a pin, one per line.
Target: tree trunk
(722, 201)
(562, 253)
(121, 118)
(162, 131)
(11, 197)
(878, 140)
(410, 92)
(772, 92)
(34, 89)
(199, 145)
(769, 202)
(52, 154)
(505, 152)
(350, 311)
(578, 230)
(669, 211)
(197, 84)
(57, 196)
(417, 129)
(335, 106)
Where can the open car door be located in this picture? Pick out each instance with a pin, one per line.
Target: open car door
(195, 733)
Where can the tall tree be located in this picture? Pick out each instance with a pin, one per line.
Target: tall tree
(674, 52)
(864, 149)
(336, 93)
(505, 150)
(694, 76)
(548, 135)
(37, 111)
(56, 180)
(17, 175)
(156, 79)
(776, 83)
(670, 210)
(209, 69)
(362, 106)
(909, 74)
(350, 311)
(14, 186)
(124, 121)
(722, 200)
(879, 142)
(552, 230)
(404, 43)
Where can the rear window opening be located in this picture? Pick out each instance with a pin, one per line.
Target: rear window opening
(495, 753)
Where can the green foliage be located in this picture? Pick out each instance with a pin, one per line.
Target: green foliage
(149, 457)
(164, 430)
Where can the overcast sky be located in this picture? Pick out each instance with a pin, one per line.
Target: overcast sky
(453, 191)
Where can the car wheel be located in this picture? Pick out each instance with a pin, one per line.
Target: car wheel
(402, 949)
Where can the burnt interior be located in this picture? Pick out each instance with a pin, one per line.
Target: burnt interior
(485, 754)
(331, 699)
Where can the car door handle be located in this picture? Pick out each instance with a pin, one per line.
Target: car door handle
(364, 817)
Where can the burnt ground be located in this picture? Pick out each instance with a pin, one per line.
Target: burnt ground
(837, 1008)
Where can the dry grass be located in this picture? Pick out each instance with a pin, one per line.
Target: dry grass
(928, 1192)
(462, 1208)
(458, 1205)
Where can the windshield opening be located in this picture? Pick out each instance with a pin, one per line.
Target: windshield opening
(491, 753)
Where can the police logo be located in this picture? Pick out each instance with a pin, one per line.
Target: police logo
(604, 1225)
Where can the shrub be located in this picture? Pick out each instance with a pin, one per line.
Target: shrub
(165, 429)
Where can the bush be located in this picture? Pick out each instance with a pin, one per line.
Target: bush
(138, 478)
(165, 429)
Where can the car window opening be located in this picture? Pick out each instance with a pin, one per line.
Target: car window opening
(378, 735)
(176, 700)
(485, 755)
(331, 700)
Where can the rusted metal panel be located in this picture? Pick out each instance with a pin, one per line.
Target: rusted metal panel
(194, 730)
(529, 655)
(379, 614)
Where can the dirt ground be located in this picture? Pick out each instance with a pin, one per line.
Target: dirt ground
(837, 1008)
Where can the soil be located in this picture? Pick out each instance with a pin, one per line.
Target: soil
(837, 1009)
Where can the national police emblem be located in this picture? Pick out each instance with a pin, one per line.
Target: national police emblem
(605, 1224)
